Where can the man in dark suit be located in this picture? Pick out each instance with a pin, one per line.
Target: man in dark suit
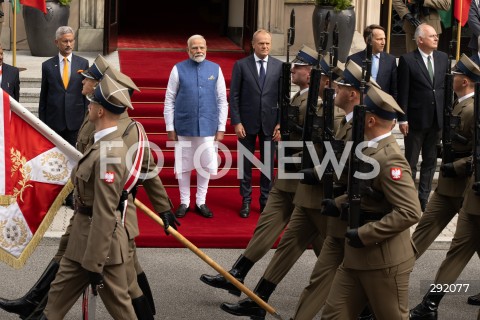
(62, 106)
(421, 96)
(254, 112)
(384, 65)
(10, 78)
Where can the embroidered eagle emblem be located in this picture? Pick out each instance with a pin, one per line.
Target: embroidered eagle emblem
(396, 173)
(109, 177)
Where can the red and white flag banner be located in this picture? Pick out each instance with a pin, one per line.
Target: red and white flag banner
(35, 166)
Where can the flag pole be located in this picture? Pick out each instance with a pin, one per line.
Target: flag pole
(14, 49)
(459, 31)
(209, 260)
(389, 24)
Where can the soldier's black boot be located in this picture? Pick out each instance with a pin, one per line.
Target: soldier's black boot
(25, 305)
(247, 307)
(37, 313)
(142, 308)
(147, 292)
(239, 270)
(428, 308)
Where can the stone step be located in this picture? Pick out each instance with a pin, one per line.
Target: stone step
(29, 82)
(29, 94)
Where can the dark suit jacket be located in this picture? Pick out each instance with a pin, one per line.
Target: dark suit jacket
(474, 25)
(255, 108)
(62, 108)
(421, 100)
(387, 71)
(11, 81)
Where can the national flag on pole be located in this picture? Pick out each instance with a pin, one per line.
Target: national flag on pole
(35, 166)
(460, 11)
(39, 4)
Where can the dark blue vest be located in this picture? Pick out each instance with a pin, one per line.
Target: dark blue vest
(196, 109)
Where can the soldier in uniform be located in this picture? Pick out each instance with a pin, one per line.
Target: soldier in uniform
(447, 199)
(99, 245)
(466, 241)
(314, 295)
(379, 255)
(279, 205)
(35, 299)
(417, 12)
(306, 226)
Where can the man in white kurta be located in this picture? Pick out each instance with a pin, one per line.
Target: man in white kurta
(195, 113)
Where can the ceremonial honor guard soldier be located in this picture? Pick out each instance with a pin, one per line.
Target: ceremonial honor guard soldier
(379, 255)
(99, 244)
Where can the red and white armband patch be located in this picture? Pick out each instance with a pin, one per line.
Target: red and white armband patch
(109, 177)
(396, 173)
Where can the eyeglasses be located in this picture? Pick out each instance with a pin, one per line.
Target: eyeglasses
(432, 36)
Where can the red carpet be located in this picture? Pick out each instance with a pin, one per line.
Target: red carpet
(226, 229)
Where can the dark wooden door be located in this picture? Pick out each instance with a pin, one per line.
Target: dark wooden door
(110, 37)
(249, 23)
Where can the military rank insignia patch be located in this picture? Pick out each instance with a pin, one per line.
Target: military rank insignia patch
(109, 177)
(396, 173)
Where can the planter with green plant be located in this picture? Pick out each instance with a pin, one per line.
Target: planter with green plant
(336, 12)
(40, 28)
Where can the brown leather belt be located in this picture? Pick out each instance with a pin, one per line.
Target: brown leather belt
(86, 210)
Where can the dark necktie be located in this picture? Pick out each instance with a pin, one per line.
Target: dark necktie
(430, 68)
(261, 75)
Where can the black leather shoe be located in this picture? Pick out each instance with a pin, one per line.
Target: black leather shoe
(245, 210)
(181, 211)
(246, 307)
(204, 211)
(474, 300)
(239, 271)
(427, 310)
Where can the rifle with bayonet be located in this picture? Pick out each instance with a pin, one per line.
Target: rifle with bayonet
(358, 128)
(476, 140)
(450, 122)
(328, 132)
(312, 101)
(285, 84)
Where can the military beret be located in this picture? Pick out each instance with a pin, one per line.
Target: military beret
(306, 57)
(468, 68)
(97, 69)
(382, 104)
(352, 77)
(111, 95)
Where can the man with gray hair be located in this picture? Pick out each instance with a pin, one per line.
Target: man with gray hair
(62, 105)
(195, 113)
(421, 96)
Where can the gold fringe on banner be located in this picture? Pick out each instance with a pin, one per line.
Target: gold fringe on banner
(19, 262)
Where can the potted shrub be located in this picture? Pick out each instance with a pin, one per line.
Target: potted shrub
(340, 12)
(40, 28)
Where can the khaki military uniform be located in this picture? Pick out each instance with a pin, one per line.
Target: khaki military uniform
(307, 226)
(279, 205)
(99, 242)
(432, 19)
(379, 272)
(314, 295)
(154, 187)
(447, 199)
(466, 240)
